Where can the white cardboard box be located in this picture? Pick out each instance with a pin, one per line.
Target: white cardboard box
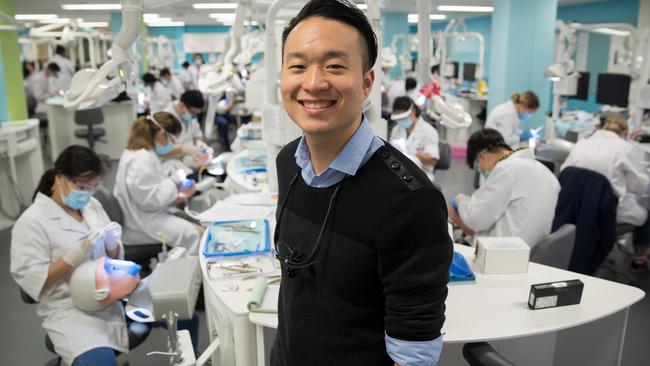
(502, 255)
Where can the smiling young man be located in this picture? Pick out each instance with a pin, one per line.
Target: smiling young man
(361, 232)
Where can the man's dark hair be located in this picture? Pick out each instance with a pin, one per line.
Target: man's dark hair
(410, 84)
(485, 139)
(53, 66)
(59, 50)
(435, 69)
(186, 65)
(149, 79)
(344, 12)
(193, 99)
(164, 72)
(404, 103)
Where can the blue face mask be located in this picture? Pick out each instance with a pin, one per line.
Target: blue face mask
(164, 149)
(187, 117)
(405, 122)
(76, 199)
(485, 174)
(525, 116)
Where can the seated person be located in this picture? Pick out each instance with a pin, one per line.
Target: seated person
(414, 136)
(63, 228)
(223, 120)
(507, 117)
(190, 141)
(518, 197)
(145, 191)
(172, 83)
(607, 153)
(156, 93)
(413, 92)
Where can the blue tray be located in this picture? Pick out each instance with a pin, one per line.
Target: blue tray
(237, 238)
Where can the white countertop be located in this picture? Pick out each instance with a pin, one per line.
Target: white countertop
(495, 306)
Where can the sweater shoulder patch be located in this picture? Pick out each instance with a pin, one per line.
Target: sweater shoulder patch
(398, 168)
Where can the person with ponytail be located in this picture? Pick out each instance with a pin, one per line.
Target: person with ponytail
(518, 197)
(506, 117)
(145, 191)
(63, 228)
(607, 153)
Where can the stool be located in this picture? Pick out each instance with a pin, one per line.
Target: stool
(90, 118)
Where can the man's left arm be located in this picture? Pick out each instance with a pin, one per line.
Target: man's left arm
(414, 254)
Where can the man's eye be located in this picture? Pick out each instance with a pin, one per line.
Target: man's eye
(336, 66)
(296, 67)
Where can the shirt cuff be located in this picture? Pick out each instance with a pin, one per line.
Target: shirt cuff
(411, 353)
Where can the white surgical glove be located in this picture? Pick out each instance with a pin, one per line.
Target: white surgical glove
(79, 254)
(112, 235)
(191, 149)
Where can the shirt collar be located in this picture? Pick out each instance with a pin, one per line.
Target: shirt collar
(351, 157)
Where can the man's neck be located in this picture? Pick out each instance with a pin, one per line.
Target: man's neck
(323, 149)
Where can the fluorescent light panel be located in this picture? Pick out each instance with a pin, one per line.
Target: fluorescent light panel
(215, 6)
(167, 24)
(55, 21)
(158, 20)
(35, 16)
(93, 24)
(91, 6)
(149, 16)
(413, 18)
(466, 8)
(222, 16)
(612, 32)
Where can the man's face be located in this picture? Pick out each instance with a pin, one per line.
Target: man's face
(323, 83)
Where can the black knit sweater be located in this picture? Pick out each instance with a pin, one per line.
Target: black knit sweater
(383, 266)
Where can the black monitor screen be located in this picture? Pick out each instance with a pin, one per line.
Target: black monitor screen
(469, 71)
(613, 89)
(583, 87)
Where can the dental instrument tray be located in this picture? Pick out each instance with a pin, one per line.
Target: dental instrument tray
(237, 238)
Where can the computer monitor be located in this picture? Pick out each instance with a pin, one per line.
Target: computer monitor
(450, 70)
(613, 89)
(469, 71)
(583, 87)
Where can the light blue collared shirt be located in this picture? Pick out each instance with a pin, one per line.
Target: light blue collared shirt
(356, 152)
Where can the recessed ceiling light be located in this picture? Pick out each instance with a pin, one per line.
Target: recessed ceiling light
(167, 24)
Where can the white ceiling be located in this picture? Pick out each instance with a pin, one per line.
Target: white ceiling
(183, 11)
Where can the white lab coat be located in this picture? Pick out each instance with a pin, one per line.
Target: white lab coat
(505, 119)
(159, 97)
(619, 161)
(175, 87)
(144, 192)
(186, 79)
(194, 71)
(41, 87)
(190, 130)
(395, 89)
(65, 64)
(517, 199)
(67, 70)
(417, 98)
(40, 237)
(423, 138)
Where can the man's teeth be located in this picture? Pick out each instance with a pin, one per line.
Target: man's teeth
(319, 105)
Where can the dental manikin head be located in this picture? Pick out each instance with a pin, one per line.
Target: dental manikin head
(95, 285)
